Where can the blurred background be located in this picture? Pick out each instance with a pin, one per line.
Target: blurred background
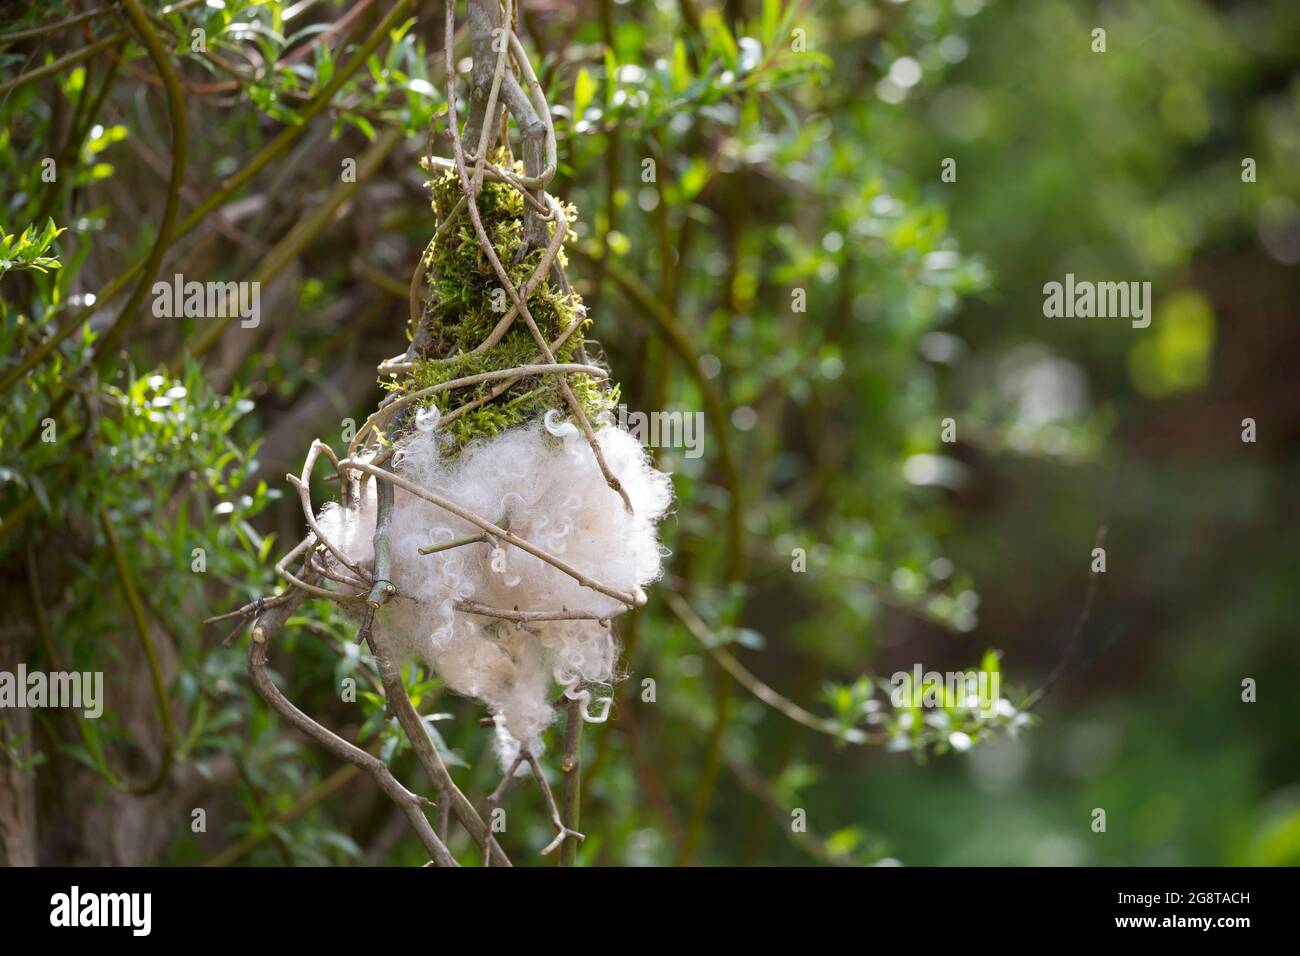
(826, 226)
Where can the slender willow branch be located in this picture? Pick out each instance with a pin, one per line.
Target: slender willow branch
(179, 152)
(382, 587)
(48, 28)
(380, 280)
(54, 66)
(59, 25)
(762, 691)
(450, 797)
(482, 45)
(1072, 642)
(267, 627)
(809, 841)
(453, 543)
(77, 135)
(381, 417)
(304, 497)
(151, 655)
(525, 617)
(565, 834)
(571, 765)
(395, 365)
(398, 702)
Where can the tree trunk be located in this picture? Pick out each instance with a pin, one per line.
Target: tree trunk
(17, 777)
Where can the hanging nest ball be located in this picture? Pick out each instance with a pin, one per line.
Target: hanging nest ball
(522, 518)
(492, 518)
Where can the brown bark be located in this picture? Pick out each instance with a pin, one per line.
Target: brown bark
(17, 779)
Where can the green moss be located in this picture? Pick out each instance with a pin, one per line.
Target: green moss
(465, 301)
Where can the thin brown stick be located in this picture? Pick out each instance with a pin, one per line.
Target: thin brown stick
(631, 600)
(412, 806)
(762, 691)
(399, 703)
(523, 617)
(380, 418)
(571, 765)
(494, 801)
(565, 833)
(453, 543)
(1076, 632)
(168, 747)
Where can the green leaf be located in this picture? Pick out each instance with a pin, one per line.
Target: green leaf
(324, 65)
(584, 88)
(681, 67)
(771, 20)
(611, 75)
(720, 39)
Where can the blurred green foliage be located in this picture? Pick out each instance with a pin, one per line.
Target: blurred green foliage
(764, 221)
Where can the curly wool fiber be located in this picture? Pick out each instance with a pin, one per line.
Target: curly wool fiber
(542, 483)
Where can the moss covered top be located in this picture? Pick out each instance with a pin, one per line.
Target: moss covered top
(464, 301)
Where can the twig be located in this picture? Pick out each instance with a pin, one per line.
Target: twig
(453, 543)
(565, 834)
(179, 123)
(631, 600)
(411, 805)
(54, 66)
(380, 418)
(304, 497)
(380, 280)
(808, 841)
(399, 703)
(523, 617)
(508, 384)
(146, 642)
(382, 587)
(756, 687)
(1072, 642)
(571, 765)
(494, 801)
(54, 27)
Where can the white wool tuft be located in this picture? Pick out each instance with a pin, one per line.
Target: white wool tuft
(542, 482)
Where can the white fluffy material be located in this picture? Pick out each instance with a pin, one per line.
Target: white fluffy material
(543, 483)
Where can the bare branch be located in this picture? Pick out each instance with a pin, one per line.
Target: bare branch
(268, 626)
